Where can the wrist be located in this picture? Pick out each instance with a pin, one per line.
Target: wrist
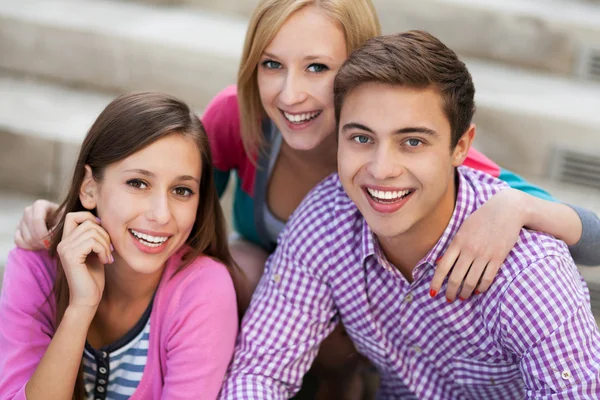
(81, 314)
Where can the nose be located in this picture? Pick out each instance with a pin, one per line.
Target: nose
(293, 90)
(159, 210)
(384, 164)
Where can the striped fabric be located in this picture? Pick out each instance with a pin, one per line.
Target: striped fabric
(531, 335)
(126, 368)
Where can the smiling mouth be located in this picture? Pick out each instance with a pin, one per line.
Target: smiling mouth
(300, 118)
(148, 240)
(389, 196)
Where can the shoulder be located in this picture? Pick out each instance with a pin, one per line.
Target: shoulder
(223, 107)
(204, 281)
(325, 214)
(482, 184)
(30, 268)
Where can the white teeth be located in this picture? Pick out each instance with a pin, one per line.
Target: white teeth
(300, 117)
(387, 195)
(148, 240)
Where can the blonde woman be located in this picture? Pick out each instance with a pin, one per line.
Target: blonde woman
(276, 132)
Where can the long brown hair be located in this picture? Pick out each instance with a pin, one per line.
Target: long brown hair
(127, 125)
(357, 18)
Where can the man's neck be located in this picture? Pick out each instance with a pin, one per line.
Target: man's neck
(406, 250)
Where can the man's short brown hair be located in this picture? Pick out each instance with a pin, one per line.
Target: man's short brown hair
(413, 59)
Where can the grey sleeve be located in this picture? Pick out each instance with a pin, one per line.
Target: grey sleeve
(587, 250)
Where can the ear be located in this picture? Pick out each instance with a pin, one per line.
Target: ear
(88, 191)
(462, 147)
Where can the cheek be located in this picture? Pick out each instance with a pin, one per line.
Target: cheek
(185, 215)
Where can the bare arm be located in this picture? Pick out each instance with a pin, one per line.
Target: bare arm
(54, 377)
(556, 219)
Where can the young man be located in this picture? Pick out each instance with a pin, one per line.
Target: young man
(362, 248)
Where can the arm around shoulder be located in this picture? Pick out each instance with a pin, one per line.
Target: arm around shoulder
(201, 332)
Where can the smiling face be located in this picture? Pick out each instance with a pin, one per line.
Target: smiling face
(395, 159)
(148, 202)
(295, 77)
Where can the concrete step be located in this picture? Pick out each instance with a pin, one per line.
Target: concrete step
(550, 35)
(41, 128)
(523, 116)
(120, 46)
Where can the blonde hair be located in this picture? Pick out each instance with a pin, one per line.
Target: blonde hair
(358, 19)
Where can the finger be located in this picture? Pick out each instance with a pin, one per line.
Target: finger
(488, 276)
(442, 269)
(72, 220)
(460, 270)
(473, 278)
(19, 242)
(39, 215)
(87, 244)
(94, 233)
(28, 242)
(90, 225)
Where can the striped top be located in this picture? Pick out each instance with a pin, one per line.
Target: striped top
(114, 372)
(531, 335)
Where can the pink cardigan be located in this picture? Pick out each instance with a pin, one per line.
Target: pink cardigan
(192, 336)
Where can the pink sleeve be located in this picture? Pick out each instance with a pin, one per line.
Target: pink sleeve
(201, 334)
(26, 326)
(478, 161)
(221, 119)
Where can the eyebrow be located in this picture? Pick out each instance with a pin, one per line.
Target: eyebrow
(149, 174)
(409, 129)
(307, 58)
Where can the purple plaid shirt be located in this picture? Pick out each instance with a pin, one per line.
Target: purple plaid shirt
(531, 335)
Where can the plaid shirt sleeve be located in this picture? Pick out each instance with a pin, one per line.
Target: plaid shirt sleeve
(547, 322)
(292, 311)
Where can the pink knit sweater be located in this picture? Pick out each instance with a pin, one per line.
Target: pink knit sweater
(194, 326)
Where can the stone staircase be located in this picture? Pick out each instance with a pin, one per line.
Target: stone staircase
(62, 61)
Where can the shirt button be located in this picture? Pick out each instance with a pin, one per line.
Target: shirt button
(102, 370)
(417, 349)
(276, 278)
(409, 298)
(566, 375)
(100, 389)
(492, 381)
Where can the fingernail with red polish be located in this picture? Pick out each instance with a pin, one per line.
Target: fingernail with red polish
(47, 243)
(477, 292)
(438, 260)
(448, 300)
(432, 293)
(461, 299)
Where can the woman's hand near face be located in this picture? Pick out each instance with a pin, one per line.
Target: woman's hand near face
(84, 250)
(32, 232)
(480, 246)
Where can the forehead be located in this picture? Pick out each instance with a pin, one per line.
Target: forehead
(310, 31)
(385, 108)
(175, 154)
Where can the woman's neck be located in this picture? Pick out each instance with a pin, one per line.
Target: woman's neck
(124, 285)
(322, 159)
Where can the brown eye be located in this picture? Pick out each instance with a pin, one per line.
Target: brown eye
(136, 183)
(183, 191)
